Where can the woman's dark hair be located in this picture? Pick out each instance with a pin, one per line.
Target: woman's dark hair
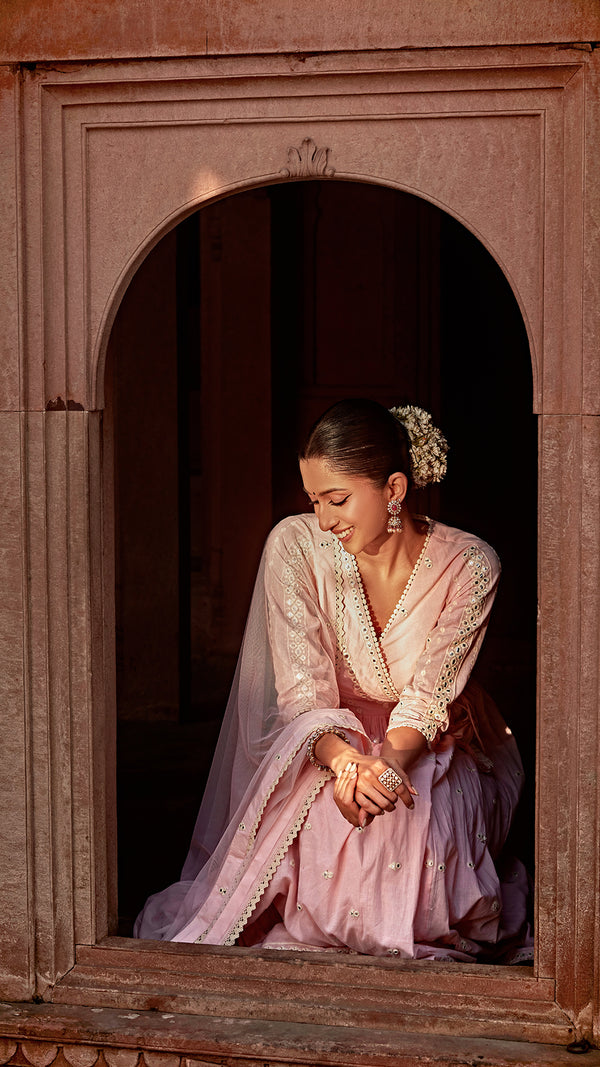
(360, 437)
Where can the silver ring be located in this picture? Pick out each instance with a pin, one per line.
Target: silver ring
(390, 779)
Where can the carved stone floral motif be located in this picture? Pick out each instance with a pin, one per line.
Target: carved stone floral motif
(37, 1053)
(80, 1055)
(308, 161)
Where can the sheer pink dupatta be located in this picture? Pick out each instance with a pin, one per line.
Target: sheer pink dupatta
(260, 784)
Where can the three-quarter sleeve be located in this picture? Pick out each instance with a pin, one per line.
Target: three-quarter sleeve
(301, 642)
(443, 668)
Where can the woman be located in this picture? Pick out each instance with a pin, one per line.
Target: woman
(350, 805)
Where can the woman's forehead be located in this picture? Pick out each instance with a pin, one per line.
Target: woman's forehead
(320, 479)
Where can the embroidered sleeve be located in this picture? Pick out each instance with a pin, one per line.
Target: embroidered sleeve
(443, 669)
(301, 642)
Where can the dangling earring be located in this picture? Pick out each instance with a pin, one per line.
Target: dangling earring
(394, 522)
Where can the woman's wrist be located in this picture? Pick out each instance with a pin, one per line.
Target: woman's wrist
(333, 751)
(404, 745)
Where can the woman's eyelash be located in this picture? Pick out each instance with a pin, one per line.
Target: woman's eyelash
(336, 503)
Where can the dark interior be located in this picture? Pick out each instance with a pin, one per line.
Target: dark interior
(239, 328)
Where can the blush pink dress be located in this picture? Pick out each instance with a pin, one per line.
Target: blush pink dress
(272, 861)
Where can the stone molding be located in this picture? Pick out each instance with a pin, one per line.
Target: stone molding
(46, 1036)
(32, 1053)
(175, 29)
(515, 125)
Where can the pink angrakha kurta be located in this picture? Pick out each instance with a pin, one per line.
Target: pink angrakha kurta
(273, 862)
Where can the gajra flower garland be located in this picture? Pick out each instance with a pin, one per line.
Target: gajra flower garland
(428, 446)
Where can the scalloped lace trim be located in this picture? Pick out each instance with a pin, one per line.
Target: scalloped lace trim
(251, 837)
(342, 654)
(275, 862)
(272, 789)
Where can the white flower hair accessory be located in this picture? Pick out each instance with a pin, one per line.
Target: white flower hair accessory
(428, 446)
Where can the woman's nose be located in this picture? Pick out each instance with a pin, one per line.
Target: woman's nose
(326, 520)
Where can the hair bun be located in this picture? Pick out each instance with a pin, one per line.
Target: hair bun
(428, 446)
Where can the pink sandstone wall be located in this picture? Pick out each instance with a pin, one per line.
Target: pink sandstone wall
(36, 30)
(53, 848)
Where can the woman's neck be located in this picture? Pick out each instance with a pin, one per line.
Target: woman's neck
(395, 552)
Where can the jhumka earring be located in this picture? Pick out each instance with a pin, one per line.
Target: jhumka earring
(394, 522)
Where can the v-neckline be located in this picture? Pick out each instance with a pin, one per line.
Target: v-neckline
(346, 564)
(399, 608)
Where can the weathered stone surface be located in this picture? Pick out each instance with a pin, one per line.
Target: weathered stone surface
(7, 1049)
(433, 136)
(15, 931)
(161, 1059)
(100, 162)
(348, 991)
(39, 1053)
(177, 1040)
(120, 1057)
(10, 341)
(52, 29)
(80, 1055)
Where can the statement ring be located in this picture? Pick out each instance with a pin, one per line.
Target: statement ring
(390, 779)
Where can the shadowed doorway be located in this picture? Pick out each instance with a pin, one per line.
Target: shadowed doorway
(238, 329)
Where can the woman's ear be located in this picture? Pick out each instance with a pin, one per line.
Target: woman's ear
(397, 486)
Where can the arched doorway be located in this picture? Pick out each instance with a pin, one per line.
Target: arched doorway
(247, 320)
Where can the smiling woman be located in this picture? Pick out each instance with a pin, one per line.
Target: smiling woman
(354, 510)
(352, 693)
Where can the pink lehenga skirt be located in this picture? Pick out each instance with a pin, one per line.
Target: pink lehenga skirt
(431, 883)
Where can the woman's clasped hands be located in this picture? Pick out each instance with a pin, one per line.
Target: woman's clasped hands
(361, 795)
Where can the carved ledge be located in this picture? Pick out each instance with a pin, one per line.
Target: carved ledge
(215, 1046)
(308, 161)
(46, 1054)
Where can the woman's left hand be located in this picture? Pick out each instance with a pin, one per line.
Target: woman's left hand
(360, 794)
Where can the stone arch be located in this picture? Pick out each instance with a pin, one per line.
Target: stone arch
(181, 212)
(457, 519)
